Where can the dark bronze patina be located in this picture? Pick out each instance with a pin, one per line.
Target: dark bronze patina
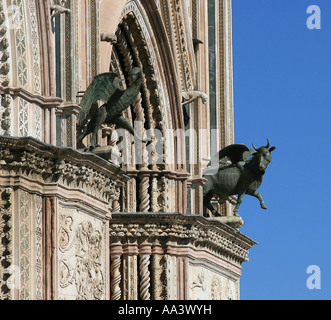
(243, 175)
(105, 87)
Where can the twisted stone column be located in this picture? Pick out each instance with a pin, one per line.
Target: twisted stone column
(116, 252)
(144, 194)
(145, 279)
(116, 277)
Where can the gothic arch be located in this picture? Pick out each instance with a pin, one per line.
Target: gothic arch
(142, 42)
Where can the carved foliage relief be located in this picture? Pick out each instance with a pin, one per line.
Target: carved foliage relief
(82, 256)
(6, 272)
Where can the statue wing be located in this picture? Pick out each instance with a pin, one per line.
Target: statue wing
(247, 154)
(101, 88)
(234, 152)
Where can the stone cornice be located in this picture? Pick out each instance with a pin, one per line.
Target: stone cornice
(69, 108)
(45, 102)
(175, 175)
(47, 164)
(180, 230)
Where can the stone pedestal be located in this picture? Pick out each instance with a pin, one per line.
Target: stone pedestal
(232, 221)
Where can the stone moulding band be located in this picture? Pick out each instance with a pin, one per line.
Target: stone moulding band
(181, 229)
(49, 166)
(46, 102)
(70, 154)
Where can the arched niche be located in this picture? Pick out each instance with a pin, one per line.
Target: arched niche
(160, 178)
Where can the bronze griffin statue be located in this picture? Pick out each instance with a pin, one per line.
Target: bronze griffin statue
(240, 171)
(105, 87)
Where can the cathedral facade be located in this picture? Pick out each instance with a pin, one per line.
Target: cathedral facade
(123, 221)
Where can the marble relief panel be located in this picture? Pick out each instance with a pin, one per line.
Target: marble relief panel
(206, 284)
(81, 256)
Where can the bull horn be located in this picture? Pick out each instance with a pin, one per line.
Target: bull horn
(254, 147)
(268, 143)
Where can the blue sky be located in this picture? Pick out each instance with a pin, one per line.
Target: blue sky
(282, 91)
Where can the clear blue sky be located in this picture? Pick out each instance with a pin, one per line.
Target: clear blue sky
(282, 90)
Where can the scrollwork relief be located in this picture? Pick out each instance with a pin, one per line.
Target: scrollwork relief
(81, 264)
(90, 283)
(66, 233)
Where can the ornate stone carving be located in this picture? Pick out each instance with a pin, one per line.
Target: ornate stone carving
(20, 41)
(216, 287)
(58, 7)
(144, 194)
(159, 277)
(5, 112)
(6, 272)
(81, 257)
(30, 158)
(5, 109)
(23, 118)
(4, 48)
(66, 274)
(181, 49)
(35, 45)
(211, 285)
(24, 245)
(38, 246)
(130, 276)
(182, 229)
(90, 283)
(66, 233)
(144, 277)
(116, 277)
(108, 37)
(177, 256)
(191, 96)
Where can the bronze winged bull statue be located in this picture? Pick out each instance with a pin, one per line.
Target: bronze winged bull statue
(243, 175)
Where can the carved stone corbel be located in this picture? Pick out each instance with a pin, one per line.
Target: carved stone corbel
(108, 37)
(191, 96)
(58, 7)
